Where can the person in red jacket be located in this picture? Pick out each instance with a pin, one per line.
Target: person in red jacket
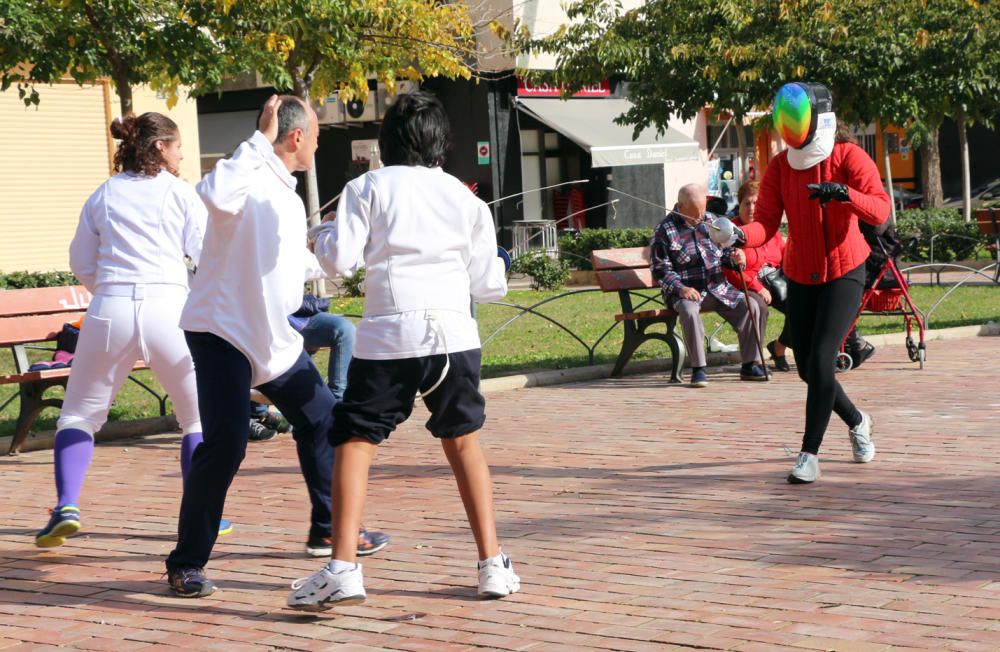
(824, 185)
(758, 259)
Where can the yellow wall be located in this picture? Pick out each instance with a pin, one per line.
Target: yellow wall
(52, 158)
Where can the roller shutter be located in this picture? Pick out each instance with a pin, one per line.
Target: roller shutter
(51, 159)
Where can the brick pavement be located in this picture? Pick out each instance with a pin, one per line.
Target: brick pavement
(640, 515)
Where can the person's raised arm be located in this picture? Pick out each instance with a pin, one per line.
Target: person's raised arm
(339, 244)
(768, 211)
(224, 190)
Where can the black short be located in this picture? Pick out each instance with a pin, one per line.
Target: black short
(380, 396)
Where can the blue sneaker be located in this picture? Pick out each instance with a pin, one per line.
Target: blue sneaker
(190, 583)
(225, 527)
(699, 378)
(370, 542)
(65, 522)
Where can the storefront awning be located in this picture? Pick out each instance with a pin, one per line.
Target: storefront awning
(591, 124)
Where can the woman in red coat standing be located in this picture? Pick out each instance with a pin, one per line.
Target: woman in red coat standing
(824, 185)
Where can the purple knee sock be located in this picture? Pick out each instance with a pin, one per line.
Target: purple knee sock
(73, 450)
(188, 444)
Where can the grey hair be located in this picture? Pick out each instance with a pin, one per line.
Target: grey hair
(691, 192)
(292, 115)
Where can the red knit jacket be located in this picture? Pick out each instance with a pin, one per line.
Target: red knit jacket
(823, 244)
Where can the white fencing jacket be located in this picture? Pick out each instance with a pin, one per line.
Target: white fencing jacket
(137, 229)
(428, 245)
(252, 265)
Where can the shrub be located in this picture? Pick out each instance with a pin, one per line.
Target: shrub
(22, 280)
(956, 239)
(353, 285)
(546, 273)
(575, 249)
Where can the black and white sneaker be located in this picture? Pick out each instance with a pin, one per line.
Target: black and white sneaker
(260, 432)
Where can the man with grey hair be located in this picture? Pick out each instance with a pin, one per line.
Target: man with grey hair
(688, 267)
(249, 280)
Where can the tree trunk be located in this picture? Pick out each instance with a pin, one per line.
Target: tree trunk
(888, 175)
(741, 148)
(963, 147)
(930, 170)
(312, 183)
(124, 91)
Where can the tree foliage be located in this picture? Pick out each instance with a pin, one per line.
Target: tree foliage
(315, 47)
(129, 41)
(905, 62)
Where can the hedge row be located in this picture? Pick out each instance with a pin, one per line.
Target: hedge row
(22, 280)
(956, 239)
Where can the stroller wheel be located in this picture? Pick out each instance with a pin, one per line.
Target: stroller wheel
(912, 350)
(844, 362)
(922, 354)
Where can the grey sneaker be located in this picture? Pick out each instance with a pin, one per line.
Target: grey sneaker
(806, 469)
(861, 440)
(323, 589)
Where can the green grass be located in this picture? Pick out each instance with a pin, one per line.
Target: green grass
(532, 343)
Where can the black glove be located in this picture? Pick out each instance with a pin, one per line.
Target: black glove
(828, 191)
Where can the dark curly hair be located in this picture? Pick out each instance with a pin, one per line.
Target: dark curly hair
(137, 150)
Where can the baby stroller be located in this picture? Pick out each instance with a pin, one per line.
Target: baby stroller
(887, 293)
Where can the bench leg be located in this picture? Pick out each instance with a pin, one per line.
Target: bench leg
(31, 406)
(631, 342)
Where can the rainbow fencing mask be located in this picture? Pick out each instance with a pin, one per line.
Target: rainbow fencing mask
(804, 118)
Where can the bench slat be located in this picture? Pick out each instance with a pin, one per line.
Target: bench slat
(32, 376)
(626, 279)
(33, 328)
(645, 314)
(40, 301)
(616, 258)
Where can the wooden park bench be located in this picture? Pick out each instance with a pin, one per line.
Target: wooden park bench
(627, 272)
(31, 319)
(988, 221)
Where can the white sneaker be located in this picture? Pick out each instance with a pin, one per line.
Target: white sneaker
(497, 578)
(323, 589)
(806, 469)
(861, 440)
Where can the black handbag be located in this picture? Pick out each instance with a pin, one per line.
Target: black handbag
(776, 283)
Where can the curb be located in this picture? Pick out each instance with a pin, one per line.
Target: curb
(157, 425)
(577, 374)
(113, 431)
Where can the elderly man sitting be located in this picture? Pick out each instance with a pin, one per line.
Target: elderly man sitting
(688, 267)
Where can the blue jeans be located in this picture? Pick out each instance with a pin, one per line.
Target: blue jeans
(336, 332)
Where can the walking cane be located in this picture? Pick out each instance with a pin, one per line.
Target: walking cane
(755, 325)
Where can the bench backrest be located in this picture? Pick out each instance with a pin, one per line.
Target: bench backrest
(623, 269)
(38, 314)
(988, 220)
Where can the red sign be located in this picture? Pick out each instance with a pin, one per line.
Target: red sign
(526, 88)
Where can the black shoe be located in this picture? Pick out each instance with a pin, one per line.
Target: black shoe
(190, 583)
(859, 356)
(752, 372)
(260, 432)
(780, 362)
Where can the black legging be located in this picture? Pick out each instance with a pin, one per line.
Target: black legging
(819, 317)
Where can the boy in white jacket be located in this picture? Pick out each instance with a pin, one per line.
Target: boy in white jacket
(427, 244)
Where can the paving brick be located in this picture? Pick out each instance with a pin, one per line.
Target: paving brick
(639, 517)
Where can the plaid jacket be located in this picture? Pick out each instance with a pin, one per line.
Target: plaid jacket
(682, 256)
